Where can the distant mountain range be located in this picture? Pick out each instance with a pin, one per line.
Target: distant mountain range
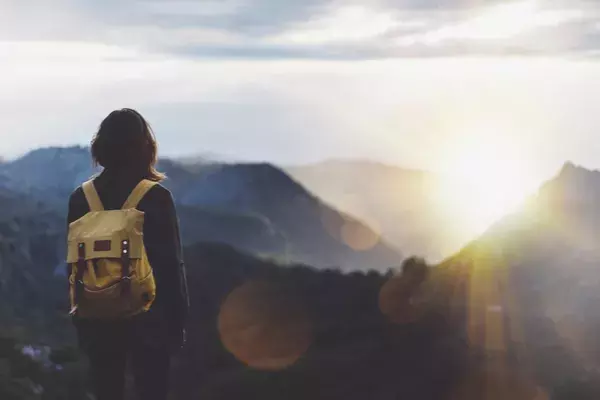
(255, 207)
(402, 204)
(48, 174)
(516, 307)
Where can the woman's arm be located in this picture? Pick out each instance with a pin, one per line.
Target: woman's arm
(163, 245)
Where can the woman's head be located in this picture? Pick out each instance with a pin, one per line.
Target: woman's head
(125, 142)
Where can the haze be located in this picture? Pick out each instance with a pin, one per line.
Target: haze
(498, 93)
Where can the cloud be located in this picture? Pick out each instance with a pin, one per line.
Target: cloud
(347, 24)
(305, 110)
(246, 78)
(518, 27)
(191, 8)
(312, 29)
(22, 52)
(500, 22)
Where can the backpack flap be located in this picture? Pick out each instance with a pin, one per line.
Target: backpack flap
(103, 233)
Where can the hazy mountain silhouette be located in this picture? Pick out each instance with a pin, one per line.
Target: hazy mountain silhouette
(513, 314)
(316, 234)
(48, 174)
(255, 207)
(402, 203)
(532, 283)
(248, 232)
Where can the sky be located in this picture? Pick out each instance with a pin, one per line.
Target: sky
(416, 83)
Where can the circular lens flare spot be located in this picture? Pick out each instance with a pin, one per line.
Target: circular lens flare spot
(264, 326)
(358, 236)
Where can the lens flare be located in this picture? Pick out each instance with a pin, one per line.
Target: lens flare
(264, 326)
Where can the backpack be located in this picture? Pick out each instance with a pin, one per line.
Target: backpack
(111, 277)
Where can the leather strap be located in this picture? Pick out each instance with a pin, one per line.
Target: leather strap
(81, 265)
(91, 195)
(138, 194)
(125, 267)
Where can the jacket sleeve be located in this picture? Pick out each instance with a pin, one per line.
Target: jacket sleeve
(163, 245)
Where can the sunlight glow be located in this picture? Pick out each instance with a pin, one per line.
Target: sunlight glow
(486, 180)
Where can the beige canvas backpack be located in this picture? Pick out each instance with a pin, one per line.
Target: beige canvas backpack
(111, 276)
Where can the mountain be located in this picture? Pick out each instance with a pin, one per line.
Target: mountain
(532, 284)
(31, 295)
(18, 205)
(247, 232)
(255, 207)
(316, 234)
(512, 315)
(202, 158)
(48, 174)
(402, 204)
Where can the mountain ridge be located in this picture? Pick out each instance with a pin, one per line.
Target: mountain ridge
(516, 307)
(535, 275)
(261, 201)
(400, 203)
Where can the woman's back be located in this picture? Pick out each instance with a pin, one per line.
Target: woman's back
(126, 148)
(161, 226)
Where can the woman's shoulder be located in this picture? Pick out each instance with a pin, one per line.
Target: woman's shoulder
(160, 194)
(77, 195)
(78, 206)
(158, 203)
(160, 189)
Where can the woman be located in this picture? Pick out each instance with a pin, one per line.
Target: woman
(126, 149)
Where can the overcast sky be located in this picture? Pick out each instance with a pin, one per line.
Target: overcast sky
(294, 81)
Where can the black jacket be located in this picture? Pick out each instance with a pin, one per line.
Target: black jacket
(163, 246)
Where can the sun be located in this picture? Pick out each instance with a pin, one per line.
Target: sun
(485, 178)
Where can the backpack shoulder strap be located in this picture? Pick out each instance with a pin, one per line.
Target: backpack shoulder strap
(138, 194)
(91, 195)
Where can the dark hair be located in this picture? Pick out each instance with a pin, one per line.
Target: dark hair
(125, 141)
